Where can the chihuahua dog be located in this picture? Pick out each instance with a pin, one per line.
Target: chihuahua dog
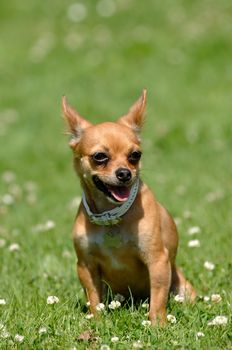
(123, 237)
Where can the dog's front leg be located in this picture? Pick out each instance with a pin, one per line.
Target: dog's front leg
(90, 279)
(160, 280)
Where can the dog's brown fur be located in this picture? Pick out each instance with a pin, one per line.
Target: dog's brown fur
(143, 261)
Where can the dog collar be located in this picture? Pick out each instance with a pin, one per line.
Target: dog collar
(114, 216)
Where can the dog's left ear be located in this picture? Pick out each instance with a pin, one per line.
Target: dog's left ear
(134, 119)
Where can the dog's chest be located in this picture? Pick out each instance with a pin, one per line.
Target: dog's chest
(110, 243)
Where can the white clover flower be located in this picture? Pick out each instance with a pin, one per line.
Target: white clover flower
(195, 243)
(146, 323)
(8, 176)
(2, 242)
(52, 299)
(171, 318)
(115, 304)
(178, 221)
(14, 247)
(218, 321)
(2, 327)
(179, 298)
(119, 297)
(187, 214)
(106, 8)
(216, 298)
(89, 316)
(7, 199)
(3, 332)
(200, 334)
(66, 254)
(49, 225)
(77, 12)
(145, 305)
(174, 342)
(206, 298)
(100, 307)
(19, 338)
(75, 202)
(209, 266)
(15, 190)
(114, 339)
(214, 196)
(88, 303)
(138, 344)
(105, 347)
(2, 302)
(194, 230)
(30, 186)
(42, 330)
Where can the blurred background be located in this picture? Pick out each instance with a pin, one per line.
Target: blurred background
(101, 54)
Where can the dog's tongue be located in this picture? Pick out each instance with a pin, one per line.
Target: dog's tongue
(121, 194)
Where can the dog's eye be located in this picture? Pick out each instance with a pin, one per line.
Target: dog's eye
(134, 157)
(100, 158)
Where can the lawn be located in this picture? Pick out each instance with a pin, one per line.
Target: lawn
(101, 54)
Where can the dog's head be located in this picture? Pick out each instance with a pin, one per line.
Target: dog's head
(107, 155)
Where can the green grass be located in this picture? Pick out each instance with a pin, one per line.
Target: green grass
(181, 51)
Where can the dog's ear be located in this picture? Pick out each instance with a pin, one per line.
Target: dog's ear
(134, 119)
(76, 124)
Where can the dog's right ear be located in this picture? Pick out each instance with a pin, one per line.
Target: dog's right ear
(76, 124)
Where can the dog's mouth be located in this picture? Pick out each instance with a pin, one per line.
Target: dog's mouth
(117, 193)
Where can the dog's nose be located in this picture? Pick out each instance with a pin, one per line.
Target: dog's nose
(123, 174)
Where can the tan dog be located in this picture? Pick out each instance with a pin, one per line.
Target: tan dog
(123, 237)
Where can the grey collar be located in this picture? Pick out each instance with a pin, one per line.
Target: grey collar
(114, 216)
